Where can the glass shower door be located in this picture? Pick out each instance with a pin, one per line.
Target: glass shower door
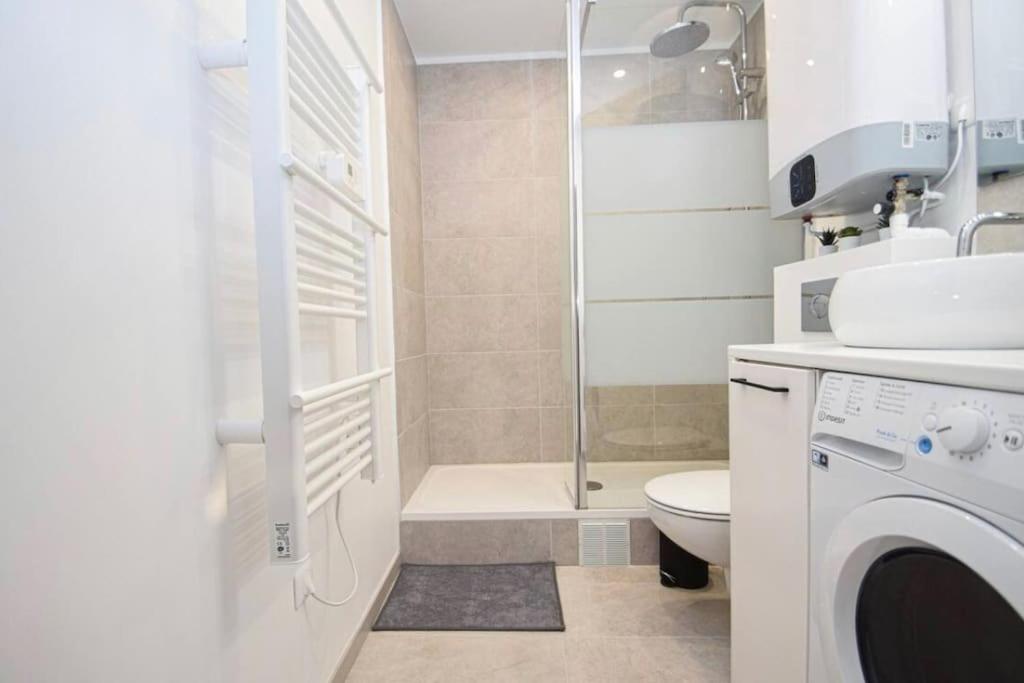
(674, 246)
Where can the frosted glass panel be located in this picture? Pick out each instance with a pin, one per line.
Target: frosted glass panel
(679, 249)
(686, 254)
(672, 166)
(670, 342)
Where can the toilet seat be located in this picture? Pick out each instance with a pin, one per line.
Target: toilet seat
(702, 494)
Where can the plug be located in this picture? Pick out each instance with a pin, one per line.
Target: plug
(302, 584)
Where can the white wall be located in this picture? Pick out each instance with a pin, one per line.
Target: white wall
(679, 249)
(135, 548)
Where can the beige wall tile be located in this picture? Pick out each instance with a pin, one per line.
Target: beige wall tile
(643, 542)
(620, 396)
(494, 157)
(495, 265)
(411, 390)
(475, 150)
(482, 323)
(1004, 195)
(474, 91)
(482, 208)
(554, 434)
(549, 203)
(620, 433)
(692, 426)
(413, 456)
(550, 265)
(484, 436)
(405, 189)
(689, 422)
(549, 323)
(691, 393)
(565, 542)
(550, 378)
(549, 148)
(407, 252)
(549, 91)
(483, 380)
(476, 542)
(405, 212)
(410, 324)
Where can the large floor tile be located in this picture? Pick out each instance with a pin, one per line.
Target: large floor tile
(648, 660)
(459, 657)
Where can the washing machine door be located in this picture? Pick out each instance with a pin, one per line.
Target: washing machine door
(917, 590)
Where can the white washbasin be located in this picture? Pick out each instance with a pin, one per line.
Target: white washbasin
(971, 302)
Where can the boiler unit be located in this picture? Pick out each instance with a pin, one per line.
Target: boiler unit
(858, 95)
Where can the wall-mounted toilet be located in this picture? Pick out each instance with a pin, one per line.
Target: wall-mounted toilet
(692, 510)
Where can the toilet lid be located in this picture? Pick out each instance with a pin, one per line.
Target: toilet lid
(703, 491)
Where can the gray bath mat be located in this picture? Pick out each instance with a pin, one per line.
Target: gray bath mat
(483, 597)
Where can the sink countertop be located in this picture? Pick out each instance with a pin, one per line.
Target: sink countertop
(1000, 370)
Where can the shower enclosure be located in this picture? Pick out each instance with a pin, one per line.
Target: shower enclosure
(669, 248)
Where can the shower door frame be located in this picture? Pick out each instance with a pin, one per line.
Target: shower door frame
(575, 23)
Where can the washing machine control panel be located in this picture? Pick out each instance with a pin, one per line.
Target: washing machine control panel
(965, 442)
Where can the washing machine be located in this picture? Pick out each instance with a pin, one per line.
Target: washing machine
(916, 532)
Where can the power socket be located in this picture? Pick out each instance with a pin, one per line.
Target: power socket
(300, 584)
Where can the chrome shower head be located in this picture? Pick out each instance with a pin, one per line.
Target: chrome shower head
(680, 38)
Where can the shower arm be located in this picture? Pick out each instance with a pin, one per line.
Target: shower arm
(744, 73)
(729, 6)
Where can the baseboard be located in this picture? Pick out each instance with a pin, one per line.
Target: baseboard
(348, 657)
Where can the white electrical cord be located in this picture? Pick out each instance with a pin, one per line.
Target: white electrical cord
(348, 553)
(931, 192)
(960, 126)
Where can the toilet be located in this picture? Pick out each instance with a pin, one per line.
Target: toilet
(692, 510)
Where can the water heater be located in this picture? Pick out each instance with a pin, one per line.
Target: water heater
(857, 94)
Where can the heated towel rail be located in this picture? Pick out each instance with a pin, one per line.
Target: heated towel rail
(315, 242)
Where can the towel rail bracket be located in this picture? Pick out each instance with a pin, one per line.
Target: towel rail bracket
(224, 54)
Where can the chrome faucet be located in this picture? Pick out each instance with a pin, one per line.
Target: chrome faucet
(965, 238)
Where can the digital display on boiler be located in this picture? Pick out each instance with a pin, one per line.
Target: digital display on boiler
(802, 181)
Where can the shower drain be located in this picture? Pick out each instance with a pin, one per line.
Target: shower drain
(594, 485)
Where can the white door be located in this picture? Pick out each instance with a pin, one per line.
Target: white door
(914, 589)
(770, 410)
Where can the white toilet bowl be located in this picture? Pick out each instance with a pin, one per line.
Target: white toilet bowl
(692, 509)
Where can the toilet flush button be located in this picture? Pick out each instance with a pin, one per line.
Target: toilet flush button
(1013, 439)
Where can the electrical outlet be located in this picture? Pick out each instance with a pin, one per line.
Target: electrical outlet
(300, 584)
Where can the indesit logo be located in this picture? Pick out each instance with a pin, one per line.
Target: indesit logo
(835, 419)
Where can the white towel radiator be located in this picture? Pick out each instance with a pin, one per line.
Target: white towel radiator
(315, 244)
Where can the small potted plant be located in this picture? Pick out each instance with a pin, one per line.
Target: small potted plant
(849, 238)
(827, 238)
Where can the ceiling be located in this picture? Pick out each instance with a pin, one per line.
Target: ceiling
(443, 31)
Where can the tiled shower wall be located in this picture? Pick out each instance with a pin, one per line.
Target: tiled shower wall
(478, 214)
(1006, 194)
(406, 252)
(663, 422)
(493, 164)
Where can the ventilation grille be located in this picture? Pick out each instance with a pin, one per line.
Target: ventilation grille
(604, 543)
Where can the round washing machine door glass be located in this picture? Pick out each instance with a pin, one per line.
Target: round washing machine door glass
(917, 590)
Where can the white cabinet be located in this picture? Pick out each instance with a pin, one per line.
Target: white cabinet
(770, 411)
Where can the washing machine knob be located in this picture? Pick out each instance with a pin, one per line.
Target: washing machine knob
(962, 429)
